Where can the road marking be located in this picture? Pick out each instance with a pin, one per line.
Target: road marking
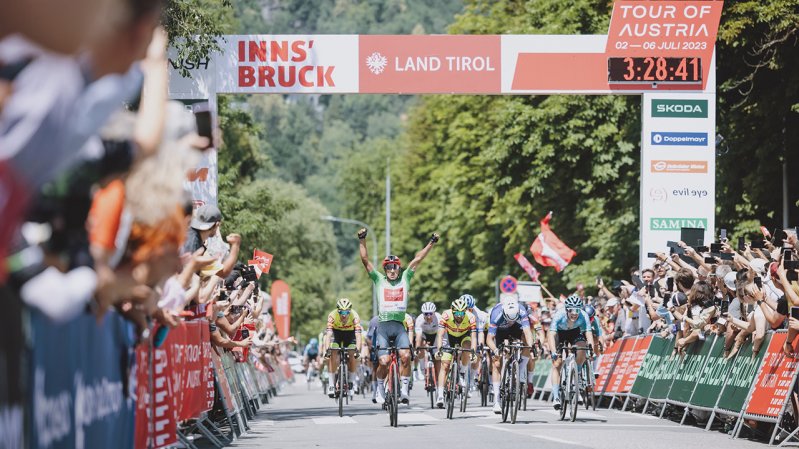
(542, 437)
(580, 414)
(333, 420)
(637, 415)
(416, 417)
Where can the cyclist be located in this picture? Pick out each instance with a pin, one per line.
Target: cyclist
(310, 353)
(456, 328)
(508, 319)
(427, 330)
(482, 328)
(371, 341)
(343, 330)
(392, 293)
(570, 325)
(596, 329)
(538, 329)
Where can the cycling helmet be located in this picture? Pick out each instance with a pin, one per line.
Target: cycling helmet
(343, 304)
(313, 342)
(573, 302)
(428, 307)
(392, 259)
(469, 299)
(510, 309)
(459, 305)
(589, 310)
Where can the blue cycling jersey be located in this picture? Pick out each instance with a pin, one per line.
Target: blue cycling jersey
(497, 320)
(561, 322)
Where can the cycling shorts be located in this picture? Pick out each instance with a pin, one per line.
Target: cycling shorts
(429, 339)
(343, 339)
(513, 332)
(391, 331)
(570, 336)
(450, 341)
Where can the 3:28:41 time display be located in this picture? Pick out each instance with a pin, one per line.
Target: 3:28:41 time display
(654, 69)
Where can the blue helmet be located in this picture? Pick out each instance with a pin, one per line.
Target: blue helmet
(313, 342)
(590, 311)
(469, 300)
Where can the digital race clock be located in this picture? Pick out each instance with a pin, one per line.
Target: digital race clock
(654, 70)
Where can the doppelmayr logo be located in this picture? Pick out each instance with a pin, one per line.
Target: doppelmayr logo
(679, 139)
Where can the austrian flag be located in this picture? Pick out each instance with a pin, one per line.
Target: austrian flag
(548, 250)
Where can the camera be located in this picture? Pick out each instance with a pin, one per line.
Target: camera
(245, 333)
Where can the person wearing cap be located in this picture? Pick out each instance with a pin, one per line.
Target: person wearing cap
(204, 225)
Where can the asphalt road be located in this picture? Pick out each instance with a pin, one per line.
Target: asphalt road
(302, 418)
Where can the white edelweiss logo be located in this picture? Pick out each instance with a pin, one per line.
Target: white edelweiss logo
(376, 63)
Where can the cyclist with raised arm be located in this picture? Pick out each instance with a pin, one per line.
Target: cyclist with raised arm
(343, 331)
(392, 294)
(570, 325)
(456, 328)
(427, 324)
(507, 320)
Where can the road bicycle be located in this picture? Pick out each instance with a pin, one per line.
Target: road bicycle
(512, 389)
(312, 373)
(429, 374)
(573, 381)
(455, 390)
(484, 378)
(391, 403)
(342, 381)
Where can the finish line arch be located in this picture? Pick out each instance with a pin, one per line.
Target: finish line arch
(662, 51)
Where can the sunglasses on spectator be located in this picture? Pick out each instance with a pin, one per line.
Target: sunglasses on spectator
(392, 266)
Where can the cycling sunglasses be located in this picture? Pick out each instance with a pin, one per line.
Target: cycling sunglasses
(429, 313)
(458, 314)
(392, 266)
(343, 312)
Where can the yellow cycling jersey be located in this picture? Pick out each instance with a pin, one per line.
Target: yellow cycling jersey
(467, 324)
(351, 323)
(408, 322)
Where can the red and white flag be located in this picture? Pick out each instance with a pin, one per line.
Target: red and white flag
(527, 266)
(262, 261)
(548, 250)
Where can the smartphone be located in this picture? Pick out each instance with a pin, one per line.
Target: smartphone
(652, 255)
(598, 281)
(245, 333)
(725, 306)
(637, 282)
(792, 275)
(715, 247)
(204, 127)
(721, 321)
(741, 244)
(669, 284)
(702, 249)
(795, 312)
(723, 235)
(710, 260)
(758, 282)
(760, 244)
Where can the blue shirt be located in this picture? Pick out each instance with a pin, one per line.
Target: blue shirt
(497, 319)
(560, 322)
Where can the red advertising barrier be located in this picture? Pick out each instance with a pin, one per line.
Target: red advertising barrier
(622, 362)
(636, 359)
(224, 385)
(605, 365)
(773, 382)
(182, 384)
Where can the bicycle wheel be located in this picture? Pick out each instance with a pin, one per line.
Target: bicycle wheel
(452, 388)
(341, 385)
(564, 390)
(395, 392)
(465, 391)
(483, 383)
(574, 388)
(514, 390)
(504, 391)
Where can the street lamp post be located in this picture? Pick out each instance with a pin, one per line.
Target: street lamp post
(374, 244)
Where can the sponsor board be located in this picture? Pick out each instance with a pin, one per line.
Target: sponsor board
(675, 224)
(664, 166)
(679, 108)
(679, 139)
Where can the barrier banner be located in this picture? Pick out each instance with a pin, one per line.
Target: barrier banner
(79, 391)
(665, 371)
(650, 366)
(636, 359)
(711, 379)
(620, 367)
(606, 363)
(741, 376)
(541, 371)
(691, 366)
(774, 380)
(224, 385)
(182, 384)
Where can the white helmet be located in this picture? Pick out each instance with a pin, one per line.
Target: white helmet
(428, 307)
(510, 309)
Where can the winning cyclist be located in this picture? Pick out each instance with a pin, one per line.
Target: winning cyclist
(427, 330)
(456, 328)
(343, 330)
(392, 294)
(508, 320)
(571, 325)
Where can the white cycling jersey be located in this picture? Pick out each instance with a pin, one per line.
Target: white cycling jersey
(423, 327)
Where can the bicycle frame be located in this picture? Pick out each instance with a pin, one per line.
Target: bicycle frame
(572, 380)
(511, 390)
(392, 385)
